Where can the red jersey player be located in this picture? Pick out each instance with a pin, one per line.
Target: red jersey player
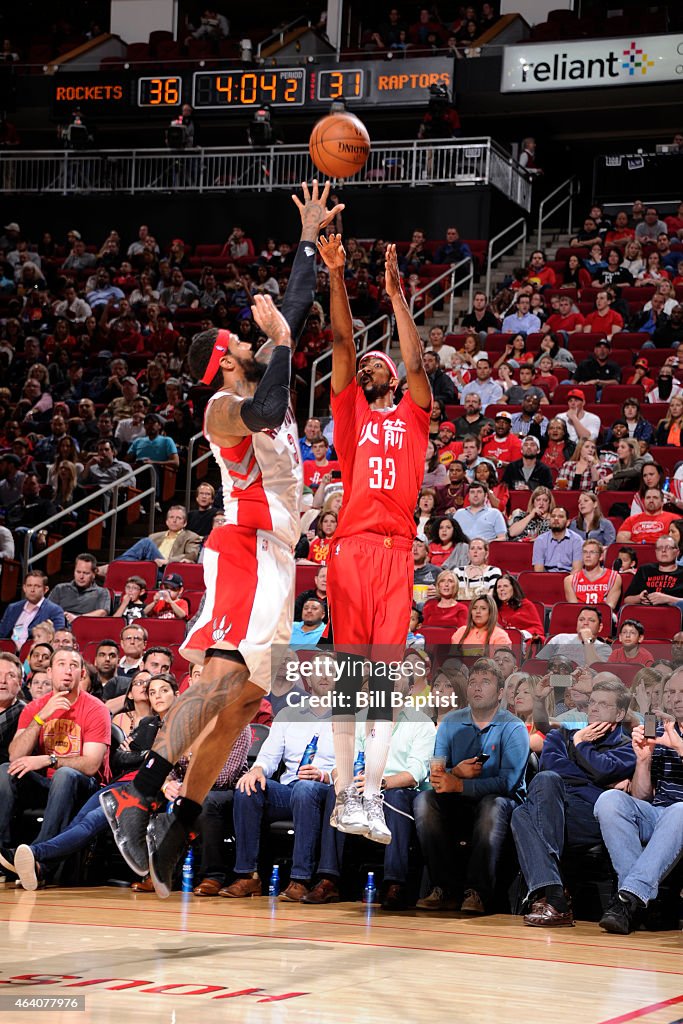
(381, 448)
(593, 583)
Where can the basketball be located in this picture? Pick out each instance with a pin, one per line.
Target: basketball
(339, 145)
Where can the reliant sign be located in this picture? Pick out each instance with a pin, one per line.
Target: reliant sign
(532, 67)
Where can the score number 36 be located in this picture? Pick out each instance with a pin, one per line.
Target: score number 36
(382, 474)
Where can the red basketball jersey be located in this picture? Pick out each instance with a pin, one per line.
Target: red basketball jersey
(593, 591)
(381, 453)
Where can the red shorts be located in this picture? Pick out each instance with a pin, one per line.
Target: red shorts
(249, 601)
(370, 590)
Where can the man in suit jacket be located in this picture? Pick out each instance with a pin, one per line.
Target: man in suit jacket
(174, 544)
(21, 616)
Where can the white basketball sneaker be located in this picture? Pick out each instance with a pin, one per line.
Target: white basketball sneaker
(349, 814)
(377, 827)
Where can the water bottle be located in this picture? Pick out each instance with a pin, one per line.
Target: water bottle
(370, 892)
(310, 751)
(274, 884)
(359, 764)
(188, 871)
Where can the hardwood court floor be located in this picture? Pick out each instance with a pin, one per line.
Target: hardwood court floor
(186, 960)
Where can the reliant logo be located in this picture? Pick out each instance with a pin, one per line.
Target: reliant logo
(563, 68)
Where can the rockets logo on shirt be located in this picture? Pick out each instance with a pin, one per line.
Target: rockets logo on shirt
(394, 433)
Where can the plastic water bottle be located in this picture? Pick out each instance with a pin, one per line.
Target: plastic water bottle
(188, 871)
(359, 764)
(370, 892)
(274, 884)
(310, 751)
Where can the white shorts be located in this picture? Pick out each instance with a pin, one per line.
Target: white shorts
(249, 601)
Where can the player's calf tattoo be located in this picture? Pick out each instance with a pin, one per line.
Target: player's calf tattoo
(195, 709)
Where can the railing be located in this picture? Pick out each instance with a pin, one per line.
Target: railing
(520, 227)
(458, 162)
(112, 513)
(566, 191)
(192, 463)
(279, 36)
(381, 341)
(448, 292)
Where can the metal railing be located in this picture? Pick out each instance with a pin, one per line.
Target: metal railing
(192, 463)
(456, 162)
(566, 192)
(363, 341)
(112, 513)
(448, 292)
(520, 226)
(279, 35)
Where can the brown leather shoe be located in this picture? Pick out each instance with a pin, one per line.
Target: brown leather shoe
(395, 898)
(208, 887)
(295, 892)
(144, 885)
(241, 888)
(324, 892)
(545, 915)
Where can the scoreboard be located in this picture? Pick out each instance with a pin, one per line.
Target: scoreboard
(365, 85)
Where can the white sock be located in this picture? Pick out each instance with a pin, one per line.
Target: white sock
(376, 753)
(343, 732)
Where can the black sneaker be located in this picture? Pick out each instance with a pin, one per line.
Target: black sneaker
(128, 813)
(7, 859)
(167, 843)
(620, 914)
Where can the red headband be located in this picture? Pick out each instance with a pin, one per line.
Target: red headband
(219, 349)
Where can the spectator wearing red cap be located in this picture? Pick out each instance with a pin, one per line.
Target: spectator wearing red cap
(580, 424)
(639, 375)
(502, 445)
(449, 448)
(604, 318)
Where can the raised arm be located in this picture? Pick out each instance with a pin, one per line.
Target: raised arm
(343, 347)
(408, 338)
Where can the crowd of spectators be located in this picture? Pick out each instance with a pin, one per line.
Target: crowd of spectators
(96, 382)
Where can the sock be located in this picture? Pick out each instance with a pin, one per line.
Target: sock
(344, 732)
(151, 777)
(376, 753)
(186, 811)
(633, 901)
(555, 896)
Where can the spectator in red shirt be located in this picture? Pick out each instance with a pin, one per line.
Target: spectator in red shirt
(646, 527)
(515, 611)
(674, 224)
(59, 754)
(167, 602)
(621, 233)
(604, 318)
(317, 467)
(639, 375)
(502, 445)
(629, 650)
(564, 319)
(540, 273)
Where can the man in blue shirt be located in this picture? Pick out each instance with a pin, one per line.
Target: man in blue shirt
(103, 291)
(643, 829)
(522, 321)
(560, 549)
(154, 447)
(308, 631)
(489, 391)
(577, 766)
(486, 750)
(478, 520)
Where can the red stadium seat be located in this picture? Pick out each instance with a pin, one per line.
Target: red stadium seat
(164, 631)
(620, 392)
(568, 500)
(9, 646)
(645, 552)
(626, 673)
(437, 635)
(562, 390)
(88, 628)
(564, 615)
(629, 340)
(661, 620)
(191, 574)
(667, 457)
(118, 573)
(510, 555)
(546, 587)
(305, 577)
(609, 498)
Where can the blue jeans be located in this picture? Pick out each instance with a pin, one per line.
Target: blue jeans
(60, 796)
(395, 854)
(443, 818)
(89, 822)
(144, 550)
(539, 827)
(302, 801)
(644, 842)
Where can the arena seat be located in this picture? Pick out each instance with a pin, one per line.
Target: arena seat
(620, 392)
(546, 587)
(564, 615)
(437, 635)
(568, 500)
(118, 573)
(659, 620)
(629, 339)
(191, 574)
(562, 391)
(645, 552)
(668, 457)
(305, 577)
(608, 498)
(510, 555)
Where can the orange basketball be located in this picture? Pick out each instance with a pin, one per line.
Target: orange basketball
(339, 145)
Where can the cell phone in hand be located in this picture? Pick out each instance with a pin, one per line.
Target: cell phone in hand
(482, 758)
(650, 726)
(335, 474)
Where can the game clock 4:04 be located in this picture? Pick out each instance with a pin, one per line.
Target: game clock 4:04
(279, 87)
